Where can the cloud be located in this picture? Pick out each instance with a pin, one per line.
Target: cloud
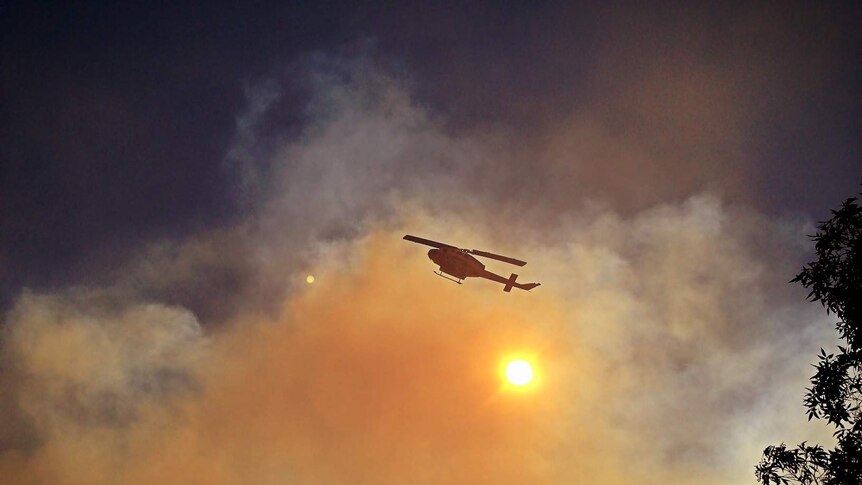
(382, 373)
(89, 366)
(666, 337)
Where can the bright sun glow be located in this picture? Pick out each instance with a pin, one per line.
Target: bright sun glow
(309, 279)
(519, 372)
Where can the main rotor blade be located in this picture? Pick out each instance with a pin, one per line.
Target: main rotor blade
(427, 242)
(505, 259)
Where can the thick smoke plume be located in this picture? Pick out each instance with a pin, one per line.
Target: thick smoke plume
(666, 342)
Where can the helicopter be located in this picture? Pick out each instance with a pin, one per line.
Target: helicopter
(459, 264)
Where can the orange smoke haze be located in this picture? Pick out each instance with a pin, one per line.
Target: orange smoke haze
(377, 374)
(382, 373)
(666, 345)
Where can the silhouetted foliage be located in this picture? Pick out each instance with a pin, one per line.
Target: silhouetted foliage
(835, 280)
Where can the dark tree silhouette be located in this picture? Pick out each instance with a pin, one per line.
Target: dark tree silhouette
(835, 280)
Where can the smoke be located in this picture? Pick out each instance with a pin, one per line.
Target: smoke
(91, 365)
(666, 340)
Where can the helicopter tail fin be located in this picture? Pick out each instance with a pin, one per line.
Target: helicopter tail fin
(510, 283)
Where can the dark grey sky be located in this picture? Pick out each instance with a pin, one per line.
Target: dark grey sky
(115, 120)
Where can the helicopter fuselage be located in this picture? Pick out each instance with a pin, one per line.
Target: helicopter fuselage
(460, 264)
(456, 262)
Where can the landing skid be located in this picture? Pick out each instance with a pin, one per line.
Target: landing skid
(443, 275)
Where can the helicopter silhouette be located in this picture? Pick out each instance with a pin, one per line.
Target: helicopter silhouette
(459, 264)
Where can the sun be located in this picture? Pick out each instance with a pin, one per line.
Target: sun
(519, 372)
(309, 279)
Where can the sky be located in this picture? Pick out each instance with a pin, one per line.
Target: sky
(169, 176)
